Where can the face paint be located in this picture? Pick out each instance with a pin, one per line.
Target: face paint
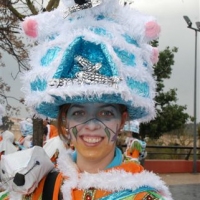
(100, 114)
(94, 128)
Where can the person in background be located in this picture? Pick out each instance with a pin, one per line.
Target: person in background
(50, 130)
(136, 148)
(26, 128)
(92, 71)
(7, 143)
(6, 137)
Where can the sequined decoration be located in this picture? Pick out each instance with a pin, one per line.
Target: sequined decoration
(77, 7)
(88, 74)
(89, 194)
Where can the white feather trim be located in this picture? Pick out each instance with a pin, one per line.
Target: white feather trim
(119, 22)
(113, 180)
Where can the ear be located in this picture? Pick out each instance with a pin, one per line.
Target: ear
(124, 119)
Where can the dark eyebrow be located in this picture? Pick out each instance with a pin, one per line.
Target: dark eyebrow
(109, 105)
(76, 106)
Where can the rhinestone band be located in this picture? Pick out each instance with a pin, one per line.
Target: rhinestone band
(78, 7)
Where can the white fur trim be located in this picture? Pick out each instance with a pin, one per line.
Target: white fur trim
(113, 180)
(119, 22)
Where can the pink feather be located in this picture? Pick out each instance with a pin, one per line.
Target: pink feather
(154, 56)
(152, 30)
(30, 27)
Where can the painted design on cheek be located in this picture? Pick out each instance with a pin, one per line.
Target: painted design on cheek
(74, 131)
(115, 134)
(107, 130)
(107, 133)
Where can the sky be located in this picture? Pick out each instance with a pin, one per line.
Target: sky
(174, 32)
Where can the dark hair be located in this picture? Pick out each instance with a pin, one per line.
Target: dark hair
(61, 121)
(45, 130)
(135, 135)
(122, 108)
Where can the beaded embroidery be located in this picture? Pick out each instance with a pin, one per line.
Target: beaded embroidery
(89, 194)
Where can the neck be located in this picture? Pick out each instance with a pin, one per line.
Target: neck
(94, 165)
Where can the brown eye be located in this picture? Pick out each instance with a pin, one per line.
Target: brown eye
(79, 113)
(106, 113)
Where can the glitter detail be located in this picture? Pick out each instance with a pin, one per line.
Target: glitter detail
(53, 108)
(96, 53)
(130, 40)
(50, 56)
(89, 194)
(89, 74)
(141, 88)
(38, 85)
(126, 57)
(101, 32)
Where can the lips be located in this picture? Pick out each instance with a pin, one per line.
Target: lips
(91, 139)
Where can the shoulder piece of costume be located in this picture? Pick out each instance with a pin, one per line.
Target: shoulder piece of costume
(124, 180)
(97, 51)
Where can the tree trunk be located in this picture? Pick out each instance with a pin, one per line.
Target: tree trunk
(38, 131)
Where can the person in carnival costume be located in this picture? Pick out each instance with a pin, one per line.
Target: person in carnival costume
(25, 141)
(51, 130)
(135, 149)
(92, 70)
(6, 137)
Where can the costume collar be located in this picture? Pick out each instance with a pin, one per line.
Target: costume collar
(128, 175)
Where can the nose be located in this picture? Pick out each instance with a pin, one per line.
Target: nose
(93, 124)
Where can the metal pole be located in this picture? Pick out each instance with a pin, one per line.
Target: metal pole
(189, 23)
(195, 109)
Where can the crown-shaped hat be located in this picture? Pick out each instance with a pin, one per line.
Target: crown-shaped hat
(91, 51)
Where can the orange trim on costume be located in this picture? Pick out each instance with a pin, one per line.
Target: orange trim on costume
(59, 180)
(128, 167)
(38, 191)
(132, 167)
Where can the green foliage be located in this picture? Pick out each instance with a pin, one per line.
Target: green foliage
(170, 116)
(6, 123)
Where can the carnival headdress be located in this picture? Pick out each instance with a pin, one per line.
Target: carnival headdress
(133, 126)
(91, 51)
(26, 127)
